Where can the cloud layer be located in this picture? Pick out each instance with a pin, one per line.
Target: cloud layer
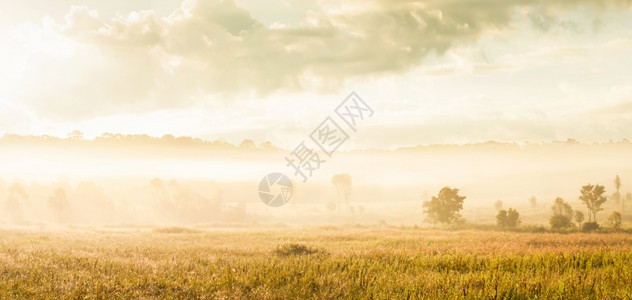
(141, 62)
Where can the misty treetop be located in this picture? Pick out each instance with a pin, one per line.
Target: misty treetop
(445, 208)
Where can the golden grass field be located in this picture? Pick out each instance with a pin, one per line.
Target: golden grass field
(377, 262)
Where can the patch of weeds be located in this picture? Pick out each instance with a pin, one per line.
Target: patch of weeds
(295, 250)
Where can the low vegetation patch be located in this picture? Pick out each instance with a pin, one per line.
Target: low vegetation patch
(295, 250)
(175, 230)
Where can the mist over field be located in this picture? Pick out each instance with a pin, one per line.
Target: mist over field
(315, 149)
(144, 181)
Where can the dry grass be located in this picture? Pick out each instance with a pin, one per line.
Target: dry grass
(326, 262)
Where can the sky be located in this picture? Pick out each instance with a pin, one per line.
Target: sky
(434, 71)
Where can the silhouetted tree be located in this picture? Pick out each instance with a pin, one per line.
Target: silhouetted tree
(342, 182)
(501, 218)
(157, 184)
(562, 214)
(248, 144)
(616, 196)
(331, 206)
(58, 203)
(533, 201)
(267, 146)
(161, 195)
(93, 201)
(579, 217)
(508, 218)
(498, 205)
(614, 220)
(445, 207)
(216, 201)
(17, 196)
(593, 197)
(76, 135)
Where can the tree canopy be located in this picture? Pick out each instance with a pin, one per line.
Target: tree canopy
(445, 208)
(593, 197)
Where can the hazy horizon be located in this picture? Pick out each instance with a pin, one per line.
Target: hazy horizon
(179, 111)
(110, 180)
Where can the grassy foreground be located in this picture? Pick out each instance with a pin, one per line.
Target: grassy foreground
(314, 263)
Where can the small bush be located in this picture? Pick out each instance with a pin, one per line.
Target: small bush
(175, 230)
(294, 250)
(560, 222)
(534, 229)
(590, 226)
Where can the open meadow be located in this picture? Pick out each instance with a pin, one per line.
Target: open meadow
(315, 149)
(376, 262)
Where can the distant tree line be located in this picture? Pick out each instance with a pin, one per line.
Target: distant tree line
(445, 209)
(77, 137)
